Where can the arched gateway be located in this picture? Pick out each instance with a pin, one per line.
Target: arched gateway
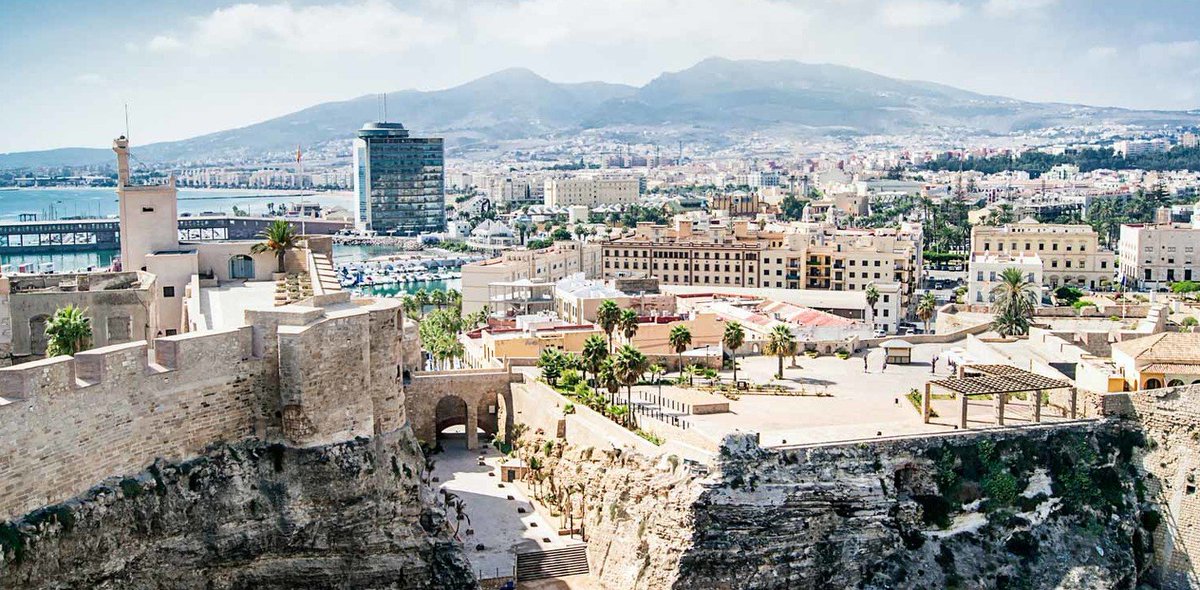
(478, 399)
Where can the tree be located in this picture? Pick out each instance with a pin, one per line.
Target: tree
(595, 350)
(1190, 323)
(438, 299)
(733, 338)
(629, 364)
(680, 338)
(607, 315)
(925, 308)
(460, 513)
(411, 307)
(872, 299)
(656, 371)
(627, 322)
(781, 344)
(560, 234)
(551, 364)
(68, 332)
(1015, 300)
(607, 378)
(279, 237)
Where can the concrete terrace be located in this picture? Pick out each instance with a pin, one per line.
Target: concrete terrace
(225, 305)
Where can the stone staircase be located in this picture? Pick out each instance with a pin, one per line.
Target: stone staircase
(325, 273)
(552, 563)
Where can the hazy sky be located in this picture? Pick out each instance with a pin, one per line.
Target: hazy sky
(196, 66)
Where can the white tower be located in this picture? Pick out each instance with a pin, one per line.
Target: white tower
(149, 217)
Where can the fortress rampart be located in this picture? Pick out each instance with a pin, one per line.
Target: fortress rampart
(303, 376)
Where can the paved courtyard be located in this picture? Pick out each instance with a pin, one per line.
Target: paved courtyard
(494, 518)
(841, 401)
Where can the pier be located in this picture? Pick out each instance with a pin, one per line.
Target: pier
(91, 235)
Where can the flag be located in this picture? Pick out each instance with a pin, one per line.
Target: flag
(297, 153)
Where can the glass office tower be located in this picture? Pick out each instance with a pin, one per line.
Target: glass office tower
(399, 181)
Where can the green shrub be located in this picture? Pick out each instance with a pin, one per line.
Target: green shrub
(650, 436)
(569, 379)
(568, 409)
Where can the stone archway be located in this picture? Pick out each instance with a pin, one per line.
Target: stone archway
(450, 411)
(1153, 383)
(433, 402)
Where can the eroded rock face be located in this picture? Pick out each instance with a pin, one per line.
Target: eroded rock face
(1052, 508)
(248, 515)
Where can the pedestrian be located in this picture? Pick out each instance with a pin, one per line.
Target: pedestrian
(884, 368)
(933, 364)
(865, 362)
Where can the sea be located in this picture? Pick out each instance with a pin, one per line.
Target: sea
(63, 202)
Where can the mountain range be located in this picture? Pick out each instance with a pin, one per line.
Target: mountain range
(717, 99)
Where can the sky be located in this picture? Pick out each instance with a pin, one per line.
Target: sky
(184, 68)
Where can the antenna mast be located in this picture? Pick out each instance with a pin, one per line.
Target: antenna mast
(385, 107)
(126, 120)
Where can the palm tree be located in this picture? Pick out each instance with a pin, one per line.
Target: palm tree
(680, 339)
(460, 513)
(422, 297)
(607, 315)
(781, 344)
(630, 364)
(68, 332)
(410, 305)
(551, 364)
(438, 298)
(279, 237)
(733, 338)
(872, 299)
(1015, 300)
(925, 308)
(627, 322)
(595, 350)
(607, 378)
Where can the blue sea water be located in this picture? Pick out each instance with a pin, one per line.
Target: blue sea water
(59, 203)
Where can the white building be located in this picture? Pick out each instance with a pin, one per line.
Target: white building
(1155, 255)
(563, 192)
(986, 270)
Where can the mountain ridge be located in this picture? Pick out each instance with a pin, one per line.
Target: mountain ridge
(716, 99)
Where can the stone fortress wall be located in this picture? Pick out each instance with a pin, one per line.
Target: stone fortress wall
(302, 376)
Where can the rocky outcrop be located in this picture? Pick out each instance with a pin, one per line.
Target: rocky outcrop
(1039, 508)
(247, 515)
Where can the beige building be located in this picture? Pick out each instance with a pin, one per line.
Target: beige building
(1070, 254)
(547, 265)
(1169, 359)
(1155, 255)
(590, 191)
(794, 256)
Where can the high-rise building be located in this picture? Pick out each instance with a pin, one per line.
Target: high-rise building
(399, 180)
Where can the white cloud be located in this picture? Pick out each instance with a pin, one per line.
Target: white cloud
(1157, 53)
(1102, 52)
(369, 26)
(540, 23)
(1016, 7)
(920, 13)
(163, 43)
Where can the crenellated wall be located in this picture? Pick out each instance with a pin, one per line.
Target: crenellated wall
(304, 376)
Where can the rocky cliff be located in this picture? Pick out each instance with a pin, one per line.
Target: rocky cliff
(247, 515)
(1038, 508)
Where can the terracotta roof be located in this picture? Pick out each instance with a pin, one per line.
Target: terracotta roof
(1175, 368)
(1167, 347)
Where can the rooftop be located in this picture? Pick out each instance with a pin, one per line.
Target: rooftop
(1167, 347)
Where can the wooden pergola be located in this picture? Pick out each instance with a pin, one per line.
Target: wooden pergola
(999, 381)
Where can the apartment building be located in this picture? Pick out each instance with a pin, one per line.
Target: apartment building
(987, 269)
(591, 191)
(1070, 254)
(1155, 255)
(547, 265)
(793, 256)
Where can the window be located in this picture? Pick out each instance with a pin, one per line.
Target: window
(172, 331)
(168, 291)
(147, 209)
